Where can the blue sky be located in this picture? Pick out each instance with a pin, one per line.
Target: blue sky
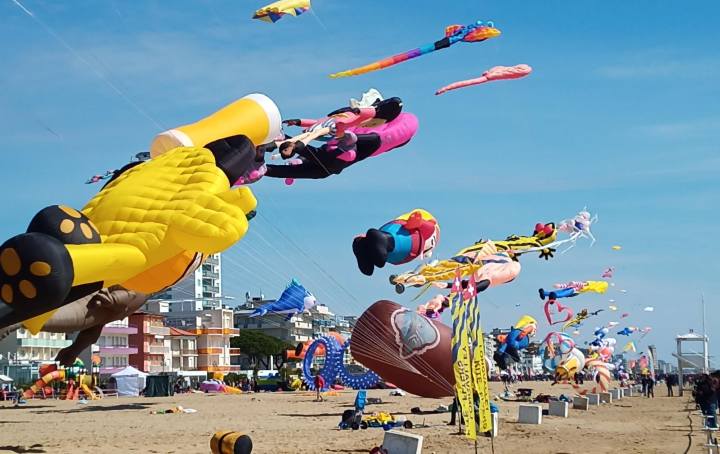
(620, 114)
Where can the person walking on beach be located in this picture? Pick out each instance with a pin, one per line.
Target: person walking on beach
(669, 384)
(650, 387)
(319, 385)
(644, 383)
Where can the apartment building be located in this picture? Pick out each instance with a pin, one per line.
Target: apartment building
(153, 343)
(23, 346)
(183, 350)
(114, 347)
(198, 290)
(213, 328)
(299, 328)
(295, 330)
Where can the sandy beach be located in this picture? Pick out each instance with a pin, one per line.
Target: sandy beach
(294, 423)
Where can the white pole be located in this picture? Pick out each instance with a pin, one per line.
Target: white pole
(706, 358)
(702, 299)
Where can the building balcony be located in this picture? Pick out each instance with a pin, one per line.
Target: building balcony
(158, 330)
(44, 343)
(216, 331)
(119, 330)
(157, 350)
(184, 352)
(114, 350)
(211, 351)
(235, 352)
(111, 370)
(219, 368)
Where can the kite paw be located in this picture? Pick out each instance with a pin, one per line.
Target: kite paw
(65, 224)
(35, 268)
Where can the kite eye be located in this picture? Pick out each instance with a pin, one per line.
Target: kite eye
(548, 230)
(490, 24)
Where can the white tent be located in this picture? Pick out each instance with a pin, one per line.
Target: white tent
(5, 379)
(130, 381)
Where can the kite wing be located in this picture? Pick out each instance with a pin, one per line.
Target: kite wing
(275, 11)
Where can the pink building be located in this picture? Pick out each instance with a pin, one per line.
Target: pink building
(153, 343)
(114, 347)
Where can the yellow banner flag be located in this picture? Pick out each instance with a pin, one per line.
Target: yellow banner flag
(479, 368)
(462, 364)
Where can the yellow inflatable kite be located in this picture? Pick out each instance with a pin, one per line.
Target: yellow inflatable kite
(150, 226)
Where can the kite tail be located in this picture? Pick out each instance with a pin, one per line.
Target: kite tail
(462, 84)
(394, 60)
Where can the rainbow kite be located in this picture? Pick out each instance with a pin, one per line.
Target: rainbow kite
(479, 31)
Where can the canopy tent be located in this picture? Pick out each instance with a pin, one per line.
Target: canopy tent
(5, 379)
(160, 386)
(130, 381)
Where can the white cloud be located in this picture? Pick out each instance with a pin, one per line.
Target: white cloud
(660, 63)
(681, 129)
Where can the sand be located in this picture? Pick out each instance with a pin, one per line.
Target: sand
(294, 423)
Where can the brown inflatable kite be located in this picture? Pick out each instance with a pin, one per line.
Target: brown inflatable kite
(405, 348)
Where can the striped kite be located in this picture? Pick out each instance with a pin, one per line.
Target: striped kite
(475, 32)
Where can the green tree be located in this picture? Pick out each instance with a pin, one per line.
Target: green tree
(257, 345)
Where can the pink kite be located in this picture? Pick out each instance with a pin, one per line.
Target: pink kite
(608, 273)
(560, 309)
(494, 73)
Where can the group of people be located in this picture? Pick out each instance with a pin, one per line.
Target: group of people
(705, 393)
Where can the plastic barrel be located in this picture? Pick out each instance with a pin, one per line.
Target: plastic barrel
(255, 116)
(230, 442)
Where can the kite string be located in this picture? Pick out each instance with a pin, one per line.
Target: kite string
(87, 63)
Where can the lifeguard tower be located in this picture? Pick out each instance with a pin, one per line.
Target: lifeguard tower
(689, 358)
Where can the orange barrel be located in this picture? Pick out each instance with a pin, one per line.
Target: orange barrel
(230, 442)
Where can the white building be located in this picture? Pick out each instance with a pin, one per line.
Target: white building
(114, 347)
(213, 329)
(200, 289)
(183, 349)
(25, 347)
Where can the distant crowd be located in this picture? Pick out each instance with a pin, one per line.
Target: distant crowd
(706, 389)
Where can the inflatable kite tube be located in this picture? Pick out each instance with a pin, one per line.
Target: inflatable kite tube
(405, 348)
(334, 366)
(255, 116)
(328, 372)
(355, 381)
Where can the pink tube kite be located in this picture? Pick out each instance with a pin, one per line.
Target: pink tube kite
(494, 73)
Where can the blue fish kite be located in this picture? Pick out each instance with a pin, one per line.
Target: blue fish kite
(626, 331)
(294, 300)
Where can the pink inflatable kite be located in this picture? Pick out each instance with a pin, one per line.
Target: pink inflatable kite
(494, 73)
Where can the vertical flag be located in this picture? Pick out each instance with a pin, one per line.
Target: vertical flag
(479, 366)
(461, 356)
